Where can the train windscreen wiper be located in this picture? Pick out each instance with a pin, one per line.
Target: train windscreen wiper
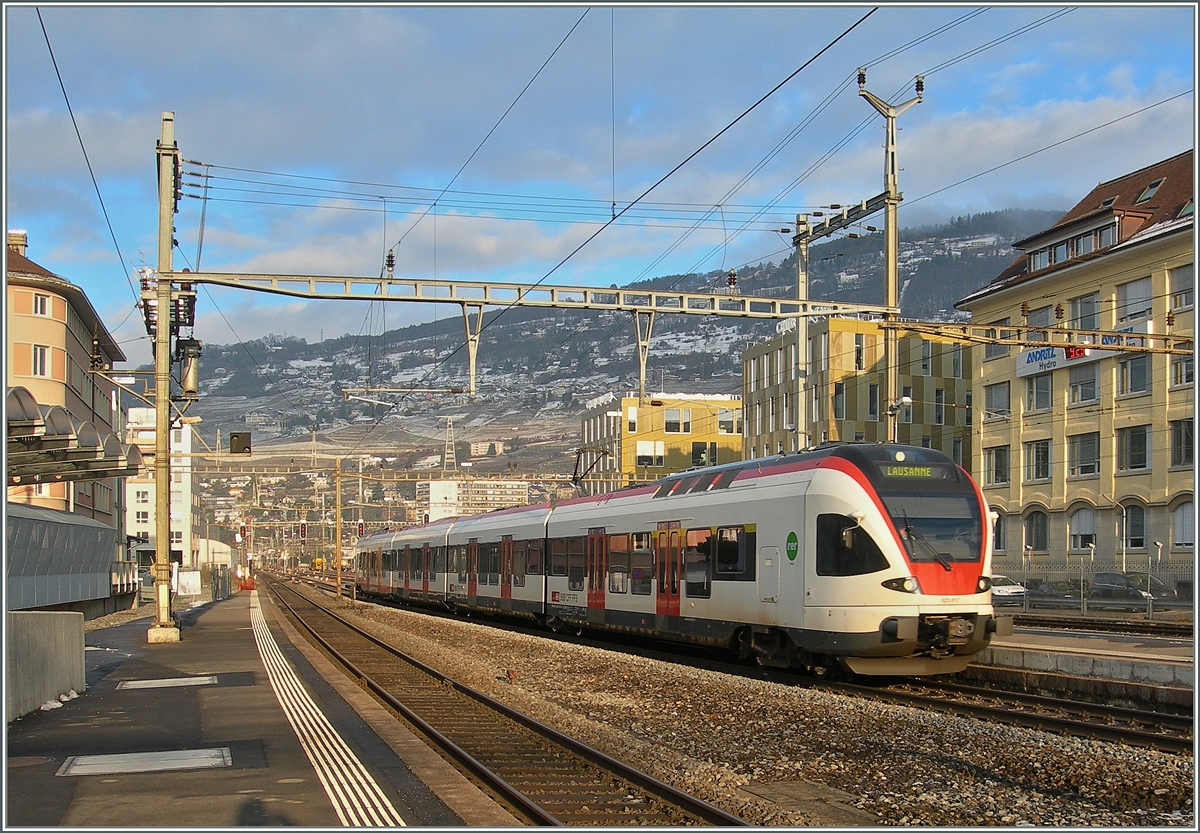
(911, 535)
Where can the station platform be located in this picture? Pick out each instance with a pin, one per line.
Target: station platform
(240, 723)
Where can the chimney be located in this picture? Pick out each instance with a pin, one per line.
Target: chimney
(18, 239)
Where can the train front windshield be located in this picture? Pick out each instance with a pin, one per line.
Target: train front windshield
(932, 504)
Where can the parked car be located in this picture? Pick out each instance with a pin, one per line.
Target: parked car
(1054, 594)
(1127, 589)
(1006, 591)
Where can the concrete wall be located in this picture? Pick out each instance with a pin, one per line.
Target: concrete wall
(45, 659)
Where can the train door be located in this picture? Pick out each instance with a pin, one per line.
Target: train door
(472, 567)
(427, 561)
(506, 567)
(406, 568)
(768, 574)
(668, 554)
(597, 568)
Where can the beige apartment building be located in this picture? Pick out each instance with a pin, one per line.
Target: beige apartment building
(1084, 451)
(52, 327)
(841, 395)
(628, 440)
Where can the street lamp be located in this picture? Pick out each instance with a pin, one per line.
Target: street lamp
(1025, 581)
(1083, 590)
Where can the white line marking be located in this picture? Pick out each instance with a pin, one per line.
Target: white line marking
(355, 795)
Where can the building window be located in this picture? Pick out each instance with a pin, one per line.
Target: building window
(1037, 531)
(1135, 527)
(999, 536)
(631, 414)
(1133, 300)
(956, 361)
(1182, 368)
(1082, 385)
(1038, 392)
(926, 357)
(859, 351)
(1106, 236)
(996, 351)
(1133, 448)
(907, 411)
(728, 420)
(679, 420)
(142, 496)
(839, 400)
(1181, 286)
(1149, 192)
(1085, 312)
(1183, 445)
(1038, 318)
(873, 403)
(939, 406)
(1133, 374)
(700, 454)
(143, 517)
(1183, 525)
(956, 451)
(1083, 528)
(1084, 243)
(1083, 454)
(41, 304)
(1039, 259)
(650, 453)
(995, 465)
(1037, 460)
(41, 361)
(926, 441)
(995, 401)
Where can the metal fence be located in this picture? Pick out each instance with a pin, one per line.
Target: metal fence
(1083, 586)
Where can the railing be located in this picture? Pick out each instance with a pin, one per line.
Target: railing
(1090, 587)
(124, 577)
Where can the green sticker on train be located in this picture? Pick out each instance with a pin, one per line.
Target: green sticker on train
(793, 546)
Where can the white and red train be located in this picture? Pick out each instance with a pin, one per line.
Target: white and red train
(875, 557)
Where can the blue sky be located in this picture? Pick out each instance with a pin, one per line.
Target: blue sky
(489, 143)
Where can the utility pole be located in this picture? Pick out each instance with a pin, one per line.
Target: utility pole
(891, 238)
(337, 522)
(803, 440)
(164, 628)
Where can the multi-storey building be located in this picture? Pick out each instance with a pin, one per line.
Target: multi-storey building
(469, 496)
(140, 515)
(53, 335)
(628, 439)
(1084, 451)
(841, 393)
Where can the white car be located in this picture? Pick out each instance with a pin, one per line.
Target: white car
(1007, 591)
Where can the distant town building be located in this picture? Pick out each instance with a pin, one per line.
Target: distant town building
(1080, 447)
(845, 366)
(629, 440)
(469, 496)
(487, 448)
(140, 515)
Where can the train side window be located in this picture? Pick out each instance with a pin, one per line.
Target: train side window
(733, 553)
(684, 484)
(641, 564)
(558, 556)
(575, 558)
(618, 563)
(460, 562)
(703, 484)
(520, 555)
(439, 559)
(492, 554)
(845, 549)
(534, 565)
(697, 559)
(414, 565)
(724, 479)
(664, 487)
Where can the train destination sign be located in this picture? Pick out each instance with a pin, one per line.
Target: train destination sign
(905, 470)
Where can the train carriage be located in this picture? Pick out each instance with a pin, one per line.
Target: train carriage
(873, 556)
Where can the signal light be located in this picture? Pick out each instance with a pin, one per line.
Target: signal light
(360, 529)
(243, 531)
(303, 530)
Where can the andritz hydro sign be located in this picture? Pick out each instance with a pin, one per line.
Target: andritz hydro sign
(1052, 357)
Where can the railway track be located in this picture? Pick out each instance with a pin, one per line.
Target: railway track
(542, 776)
(1134, 727)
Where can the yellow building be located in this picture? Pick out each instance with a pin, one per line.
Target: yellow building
(1089, 452)
(628, 440)
(842, 399)
(51, 327)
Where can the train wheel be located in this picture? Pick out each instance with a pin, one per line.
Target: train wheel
(822, 671)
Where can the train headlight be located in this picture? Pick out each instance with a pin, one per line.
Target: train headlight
(908, 584)
(983, 585)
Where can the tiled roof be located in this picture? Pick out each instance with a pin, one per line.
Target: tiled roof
(1120, 195)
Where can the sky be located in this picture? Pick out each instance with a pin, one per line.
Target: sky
(564, 145)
